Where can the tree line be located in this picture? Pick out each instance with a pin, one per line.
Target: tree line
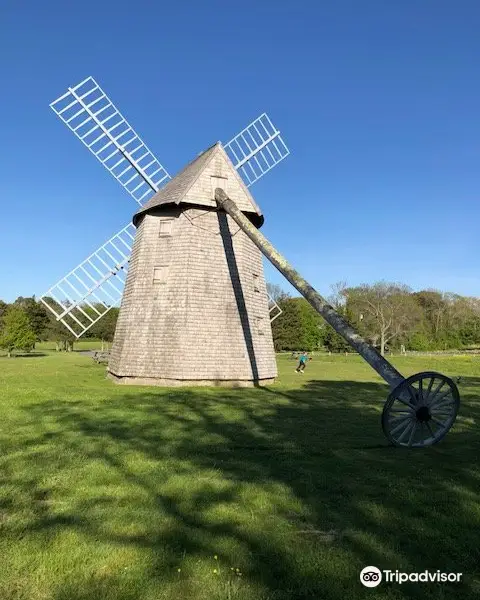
(388, 315)
(27, 321)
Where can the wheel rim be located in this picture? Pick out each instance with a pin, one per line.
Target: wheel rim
(421, 410)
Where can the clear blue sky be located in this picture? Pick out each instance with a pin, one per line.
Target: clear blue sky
(378, 102)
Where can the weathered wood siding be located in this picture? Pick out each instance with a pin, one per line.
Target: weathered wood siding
(208, 322)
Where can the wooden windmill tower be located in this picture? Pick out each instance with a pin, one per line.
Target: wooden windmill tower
(195, 308)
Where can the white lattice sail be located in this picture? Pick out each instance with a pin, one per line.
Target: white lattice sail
(85, 294)
(256, 149)
(99, 125)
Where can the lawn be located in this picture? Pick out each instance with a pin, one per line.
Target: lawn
(285, 493)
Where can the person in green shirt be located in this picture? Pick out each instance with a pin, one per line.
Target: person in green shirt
(302, 363)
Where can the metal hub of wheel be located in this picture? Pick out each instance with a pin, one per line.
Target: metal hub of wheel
(421, 410)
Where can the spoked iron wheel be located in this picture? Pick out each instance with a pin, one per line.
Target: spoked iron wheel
(421, 410)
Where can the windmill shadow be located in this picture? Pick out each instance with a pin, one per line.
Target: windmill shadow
(238, 291)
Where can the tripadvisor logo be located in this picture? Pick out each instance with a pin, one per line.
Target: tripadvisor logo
(372, 576)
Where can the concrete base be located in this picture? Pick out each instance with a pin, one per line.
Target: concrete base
(153, 381)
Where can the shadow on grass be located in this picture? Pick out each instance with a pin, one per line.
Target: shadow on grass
(299, 486)
(103, 586)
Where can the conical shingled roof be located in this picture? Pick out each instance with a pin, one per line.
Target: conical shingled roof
(176, 190)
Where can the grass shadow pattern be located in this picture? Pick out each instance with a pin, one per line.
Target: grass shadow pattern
(263, 494)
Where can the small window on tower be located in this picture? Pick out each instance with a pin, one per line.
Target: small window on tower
(160, 274)
(256, 283)
(217, 181)
(260, 326)
(165, 227)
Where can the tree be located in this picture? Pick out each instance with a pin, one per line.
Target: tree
(386, 312)
(17, 332)
(276, 292)
(462, 321)
(298, 327)
(56, 330)
(434, 307)
(332, 341)
(432, 332)
(104, 328)
(469, 328)
(3, 308)
(338, 296)
(37, 314)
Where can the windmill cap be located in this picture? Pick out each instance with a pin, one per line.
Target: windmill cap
(182, 189)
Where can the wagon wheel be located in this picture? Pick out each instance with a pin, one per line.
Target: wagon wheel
(421, 410)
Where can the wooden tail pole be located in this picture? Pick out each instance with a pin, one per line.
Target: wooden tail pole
(368, 352)
(419, 410)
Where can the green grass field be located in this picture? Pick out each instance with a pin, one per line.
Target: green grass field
(285, 493)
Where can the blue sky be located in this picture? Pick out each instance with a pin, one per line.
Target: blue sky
(377, 101)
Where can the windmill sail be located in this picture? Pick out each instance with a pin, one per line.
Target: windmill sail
(99, 125)
(273, 308)
(89, 291)
(256, 149)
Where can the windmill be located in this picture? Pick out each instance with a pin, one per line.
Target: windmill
(88, 292)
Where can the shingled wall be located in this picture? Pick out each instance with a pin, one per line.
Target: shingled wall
(206, 321)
